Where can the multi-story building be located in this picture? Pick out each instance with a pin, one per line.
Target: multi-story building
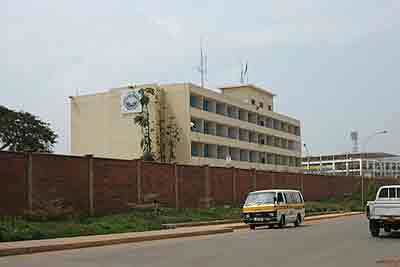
(236, 126)
(355, 164)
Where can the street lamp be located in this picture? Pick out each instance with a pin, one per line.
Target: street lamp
(308, 157)
(363, 150)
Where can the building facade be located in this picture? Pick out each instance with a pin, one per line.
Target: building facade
(354, 164)
(236, 126)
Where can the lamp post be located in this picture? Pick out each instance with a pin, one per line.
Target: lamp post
(308, 157)
(363, 150)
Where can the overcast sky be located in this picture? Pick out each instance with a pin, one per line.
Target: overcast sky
(333, 64)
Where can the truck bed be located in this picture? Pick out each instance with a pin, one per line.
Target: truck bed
(386, 208)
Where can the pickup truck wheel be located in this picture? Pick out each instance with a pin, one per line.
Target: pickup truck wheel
(374, 228)
(252, 227)
(387, 228)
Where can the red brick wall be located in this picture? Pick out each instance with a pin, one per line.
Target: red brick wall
(60, 178)
(13, 178)
(221, 186)
(264, 180)
(192, 189)
(244, 184)
(114, 185)
(158, 183)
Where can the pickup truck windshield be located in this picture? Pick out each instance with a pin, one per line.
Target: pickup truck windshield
(260, 198)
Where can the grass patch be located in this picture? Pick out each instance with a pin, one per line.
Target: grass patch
(16, 229)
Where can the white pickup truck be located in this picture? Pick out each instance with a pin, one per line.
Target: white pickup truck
(384, 212)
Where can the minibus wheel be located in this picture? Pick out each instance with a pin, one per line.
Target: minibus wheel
(298, 220)
(252, 227)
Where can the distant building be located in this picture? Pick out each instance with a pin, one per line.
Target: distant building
(355, 164)
(236, 126)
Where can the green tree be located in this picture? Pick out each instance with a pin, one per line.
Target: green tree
(22, 131)
(143, 121)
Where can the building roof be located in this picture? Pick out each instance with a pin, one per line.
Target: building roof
(234, 87)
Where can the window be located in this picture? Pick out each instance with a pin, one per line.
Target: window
(270, 107)
(280, 198)
(261, 105)
(193, 101)
(300, 198)
(195, 151)
(384, 193)
(206, 150)
(206, 105)
(398, 192)
(297, 197)
(253, 102)
(289, 197)
(392, 192)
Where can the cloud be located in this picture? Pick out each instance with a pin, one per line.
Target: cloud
(173, 28)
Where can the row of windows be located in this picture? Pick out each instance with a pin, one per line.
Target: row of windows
(216, 129)
(244, 115)
(237, 154)
(356, 166)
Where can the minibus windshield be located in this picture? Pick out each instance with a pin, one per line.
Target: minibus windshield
(260, 198)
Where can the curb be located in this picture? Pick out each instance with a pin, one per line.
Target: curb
(194, 224)
(231, 221)
(74, 243)
(311, 218)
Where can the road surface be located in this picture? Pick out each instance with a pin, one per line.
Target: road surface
(336, 242)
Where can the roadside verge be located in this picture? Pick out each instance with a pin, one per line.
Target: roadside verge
(35, 246)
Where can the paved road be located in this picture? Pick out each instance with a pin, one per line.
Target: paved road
(337, 242)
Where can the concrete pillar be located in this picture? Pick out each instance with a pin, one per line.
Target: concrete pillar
(29, 183)
(90, 185)
(234, 177)
(207, 186)
(254, 177)
(176, 174)
(139, 181)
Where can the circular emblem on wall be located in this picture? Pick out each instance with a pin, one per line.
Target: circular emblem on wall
(131, 101)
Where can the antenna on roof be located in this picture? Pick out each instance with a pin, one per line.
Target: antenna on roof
(244, 74)
(203, 64)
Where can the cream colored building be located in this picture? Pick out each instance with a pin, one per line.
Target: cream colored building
(236, 126)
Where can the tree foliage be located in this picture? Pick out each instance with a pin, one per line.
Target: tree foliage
(22, 131)
(143, 120)
(170, 137)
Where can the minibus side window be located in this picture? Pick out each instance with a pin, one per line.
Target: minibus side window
(280, 198)
(300, 199)
(291, 198)
(297, 197)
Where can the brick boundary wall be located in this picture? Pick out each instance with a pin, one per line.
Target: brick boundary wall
(91, 185)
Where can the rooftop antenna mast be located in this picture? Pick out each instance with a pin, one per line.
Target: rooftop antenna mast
(244, 73)
(203, 64)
